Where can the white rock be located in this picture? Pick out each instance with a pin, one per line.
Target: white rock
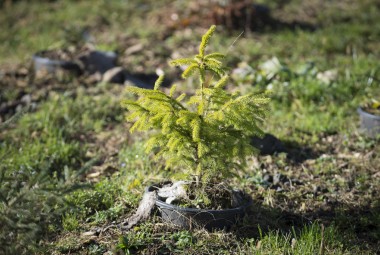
(114, 75)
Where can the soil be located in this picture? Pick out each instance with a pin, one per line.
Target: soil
(233, 16)
(218, 196)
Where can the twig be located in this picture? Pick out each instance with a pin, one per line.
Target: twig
(143, 211)
(322, 247)
(14, 118)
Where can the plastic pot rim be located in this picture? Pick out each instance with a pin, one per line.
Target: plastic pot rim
(367, 114)
(163, 204)
(38, 56)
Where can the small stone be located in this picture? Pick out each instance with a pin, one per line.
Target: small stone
(268, 178)
(133, 49)
(93, 175)
(276, 178)
(89, 233)
(114, 75)
(27, 99)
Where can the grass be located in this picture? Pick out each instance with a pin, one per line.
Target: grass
(70, 169)
(306, 241)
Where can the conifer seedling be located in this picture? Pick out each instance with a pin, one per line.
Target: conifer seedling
(207, 134)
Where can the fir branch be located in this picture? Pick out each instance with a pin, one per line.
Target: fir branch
(180, 97)
(219, 72)
(172, 90)
(153, 142)
(190, 70)
(182, 62)
(140, 124)
(131, 105)
(194, 100)
(158, 82)
(196, 126)
(215, 55)
(202, 149)
(213, 63)
(202, 76)
(156, 120)
(222, 82)
(141, 92)
(205, 40)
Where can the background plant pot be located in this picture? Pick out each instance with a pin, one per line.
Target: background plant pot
(51, 66)
(98, 61)
(369, 123)
(190, 218)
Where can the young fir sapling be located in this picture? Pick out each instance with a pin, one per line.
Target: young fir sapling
(206, 134)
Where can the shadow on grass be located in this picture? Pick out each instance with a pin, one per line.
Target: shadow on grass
(357, 227)
(362, 222)
(146, 80)
(261, 220)
(298, 153)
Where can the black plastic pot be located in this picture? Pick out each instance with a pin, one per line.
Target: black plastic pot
(98, 61)
(369, 123)
(190, 218)
(43, 64)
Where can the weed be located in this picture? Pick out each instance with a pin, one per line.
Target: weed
(182, 240)
(30, 203)
(98, 200)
